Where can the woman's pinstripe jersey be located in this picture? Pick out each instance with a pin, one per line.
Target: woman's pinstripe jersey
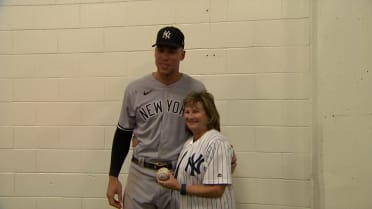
(206, 161)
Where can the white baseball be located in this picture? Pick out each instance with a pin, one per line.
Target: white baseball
(163, 174)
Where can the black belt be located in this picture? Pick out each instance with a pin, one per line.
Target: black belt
(152, 164)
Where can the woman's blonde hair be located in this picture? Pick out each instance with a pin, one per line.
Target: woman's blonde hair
(207, 100)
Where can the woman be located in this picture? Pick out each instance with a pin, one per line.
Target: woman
(203, 173)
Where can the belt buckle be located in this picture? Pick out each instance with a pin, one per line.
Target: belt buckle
(158, 164)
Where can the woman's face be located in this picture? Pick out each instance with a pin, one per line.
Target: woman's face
(196, 118)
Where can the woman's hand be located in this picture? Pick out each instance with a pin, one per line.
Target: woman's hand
(171, 183)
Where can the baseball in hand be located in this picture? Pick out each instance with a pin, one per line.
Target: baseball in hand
(163, 174)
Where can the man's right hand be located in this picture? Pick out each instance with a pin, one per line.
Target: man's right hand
(114, 189)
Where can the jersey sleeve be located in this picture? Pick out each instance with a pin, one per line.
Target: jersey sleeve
(219, 163)
(127, 114)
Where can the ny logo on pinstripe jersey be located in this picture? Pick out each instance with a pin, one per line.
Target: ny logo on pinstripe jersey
(194, 164)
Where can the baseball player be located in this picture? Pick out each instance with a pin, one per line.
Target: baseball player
(203, 171)
(152, 110)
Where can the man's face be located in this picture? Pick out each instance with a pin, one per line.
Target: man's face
(167, 59)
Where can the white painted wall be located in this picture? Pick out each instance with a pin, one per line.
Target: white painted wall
(65, 63)
(343, 87)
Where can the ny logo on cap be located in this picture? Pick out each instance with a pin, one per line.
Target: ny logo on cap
(166, 34)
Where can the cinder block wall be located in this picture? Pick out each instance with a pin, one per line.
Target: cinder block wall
(343, 110)
(65, 63)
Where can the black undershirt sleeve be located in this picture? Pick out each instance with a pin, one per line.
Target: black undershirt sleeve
(120, 149)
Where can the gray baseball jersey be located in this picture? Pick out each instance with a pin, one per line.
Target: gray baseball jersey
(155, 113)
(206, 161)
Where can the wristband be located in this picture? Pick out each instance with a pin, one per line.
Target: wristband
(183, 189)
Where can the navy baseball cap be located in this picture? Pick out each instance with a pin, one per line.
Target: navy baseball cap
(170, 36)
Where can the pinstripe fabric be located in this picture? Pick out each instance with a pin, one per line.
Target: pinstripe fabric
(206, 161)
